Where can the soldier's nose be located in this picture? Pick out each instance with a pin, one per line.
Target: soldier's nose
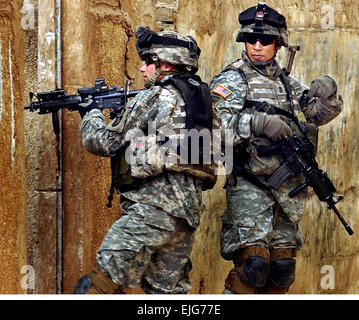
(143, 68)
(257, 45)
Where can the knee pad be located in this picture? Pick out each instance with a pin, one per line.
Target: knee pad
(282, 269)
(253, 262)
(255, 271)
(282, 272)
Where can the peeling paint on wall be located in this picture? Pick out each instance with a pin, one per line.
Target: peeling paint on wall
(1, 82)
(13, 141)
(98, 39)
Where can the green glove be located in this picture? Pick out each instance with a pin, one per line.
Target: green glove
(270, 125)
(322, 87)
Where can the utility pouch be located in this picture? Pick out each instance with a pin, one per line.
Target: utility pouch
(121, 178)
(260, 164)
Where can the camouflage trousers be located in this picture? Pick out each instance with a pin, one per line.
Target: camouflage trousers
(253, 216)
(135, 252)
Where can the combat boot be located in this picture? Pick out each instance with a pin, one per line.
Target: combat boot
(96, 282)
(250, 271)
(282, 271)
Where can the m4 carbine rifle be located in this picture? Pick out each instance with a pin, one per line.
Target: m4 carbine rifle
(298, 157)
(102, 96)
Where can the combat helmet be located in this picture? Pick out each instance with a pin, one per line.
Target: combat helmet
(262, 19)
(168, 46)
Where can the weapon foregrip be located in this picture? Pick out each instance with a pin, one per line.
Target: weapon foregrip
(55, 123)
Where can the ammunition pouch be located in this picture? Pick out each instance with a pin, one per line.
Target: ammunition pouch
(122, 179)
(257, 163)
(148, 159)
(148, 162)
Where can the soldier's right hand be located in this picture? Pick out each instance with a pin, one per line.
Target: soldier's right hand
(270, 125)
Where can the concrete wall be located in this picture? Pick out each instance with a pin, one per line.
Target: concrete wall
(53, 209)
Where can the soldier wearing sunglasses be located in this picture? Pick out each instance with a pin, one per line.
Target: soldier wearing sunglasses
(262, 104)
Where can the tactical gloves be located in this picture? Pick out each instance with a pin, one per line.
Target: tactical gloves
(85, 107)
(270, 125)
(322, 87)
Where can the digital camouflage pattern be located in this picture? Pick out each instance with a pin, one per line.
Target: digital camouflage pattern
(154, 237)
(268, 30)
(174, 54)
(262, 19)
(254, 215)
(128, 252)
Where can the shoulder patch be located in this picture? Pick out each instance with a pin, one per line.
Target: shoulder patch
(222, 91)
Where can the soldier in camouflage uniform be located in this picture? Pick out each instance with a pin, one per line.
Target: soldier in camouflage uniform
(260, 228)
(150, 244)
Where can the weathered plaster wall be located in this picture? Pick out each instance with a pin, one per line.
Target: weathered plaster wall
(98, 40)
(12, 164)
(328, 35)
(42, 148)
(95, 45)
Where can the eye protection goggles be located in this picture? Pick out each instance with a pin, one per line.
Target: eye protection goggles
(147, 37)
(265, 40)
(148, 60)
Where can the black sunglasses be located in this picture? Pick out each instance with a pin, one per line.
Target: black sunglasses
(265, 40)
(148, 60)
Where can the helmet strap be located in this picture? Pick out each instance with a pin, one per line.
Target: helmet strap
(263, 64)
(264, 67)
(149, 83)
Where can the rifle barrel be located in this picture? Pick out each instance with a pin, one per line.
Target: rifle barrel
(344, 223)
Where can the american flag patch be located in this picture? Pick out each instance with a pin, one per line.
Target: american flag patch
(222, 91)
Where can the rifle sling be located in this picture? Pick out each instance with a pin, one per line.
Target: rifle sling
(267, 108)
(284, 78)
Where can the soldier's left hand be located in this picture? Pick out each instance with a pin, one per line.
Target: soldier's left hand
(85, 107)
(322, 87)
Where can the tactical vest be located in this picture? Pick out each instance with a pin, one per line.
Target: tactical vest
(268, 94)
(196, 113)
